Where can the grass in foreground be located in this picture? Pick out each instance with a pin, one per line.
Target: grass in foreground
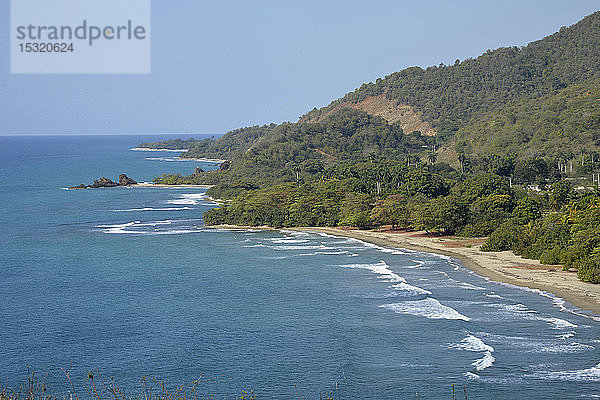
(98, 388)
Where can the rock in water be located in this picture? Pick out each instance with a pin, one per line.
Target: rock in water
(124, 180)
(104, 182)
(82, 186)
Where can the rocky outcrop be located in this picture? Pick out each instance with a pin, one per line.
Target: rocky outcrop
(124, 180)
(104, 182)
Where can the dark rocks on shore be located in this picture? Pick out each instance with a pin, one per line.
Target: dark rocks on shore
(103, 182)
(124, 180)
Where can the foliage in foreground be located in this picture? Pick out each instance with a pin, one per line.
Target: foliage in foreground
(98, 388)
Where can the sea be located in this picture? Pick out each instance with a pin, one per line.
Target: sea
(129, 283)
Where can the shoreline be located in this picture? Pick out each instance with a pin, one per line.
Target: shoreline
(504, 267)
(151, 149)
(212, 160)
(147, 185)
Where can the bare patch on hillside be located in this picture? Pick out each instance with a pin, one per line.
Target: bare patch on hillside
(381, 106)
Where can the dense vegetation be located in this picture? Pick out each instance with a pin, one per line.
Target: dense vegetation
(226, 147)
(541, 99)
(304, 149)
(231, 144)
(558, 226)
(173, 144)
(563, 123)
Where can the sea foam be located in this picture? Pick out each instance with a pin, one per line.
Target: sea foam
(190, 199)
(429, 308)
(475, 344)
(588, 374)
(524, 312)
(164, 227)
(472, 343)
(386, 274)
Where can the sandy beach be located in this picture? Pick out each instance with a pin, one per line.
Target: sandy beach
(499, 266)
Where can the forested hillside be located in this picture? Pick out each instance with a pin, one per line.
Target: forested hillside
(231, 144)
(561, 124)
(450, 97)
(289, 150)
(226, 147)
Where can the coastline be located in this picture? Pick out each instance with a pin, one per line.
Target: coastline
(504, 267)
(212, 160)
(150, 149)
(149, 185)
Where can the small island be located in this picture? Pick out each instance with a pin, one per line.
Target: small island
(104, 182)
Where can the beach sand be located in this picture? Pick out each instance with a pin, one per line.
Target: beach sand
(501, 266)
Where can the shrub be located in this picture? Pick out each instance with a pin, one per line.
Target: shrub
(479, 229)
(589, 269)
(527, 210)
(552, 256)
(506, 237)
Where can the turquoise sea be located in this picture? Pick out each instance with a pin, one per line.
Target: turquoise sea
(129, 280)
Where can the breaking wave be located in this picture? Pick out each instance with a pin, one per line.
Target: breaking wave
(429, 308)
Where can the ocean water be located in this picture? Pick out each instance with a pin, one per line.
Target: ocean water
(129, 280)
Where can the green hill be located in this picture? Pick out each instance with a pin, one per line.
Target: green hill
(450, 97)
(231, 144)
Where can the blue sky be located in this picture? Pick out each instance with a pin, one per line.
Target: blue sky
(221, 65)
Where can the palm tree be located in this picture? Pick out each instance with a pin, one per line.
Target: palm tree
(432, 157)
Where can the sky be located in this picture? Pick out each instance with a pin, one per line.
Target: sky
(221, 65)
